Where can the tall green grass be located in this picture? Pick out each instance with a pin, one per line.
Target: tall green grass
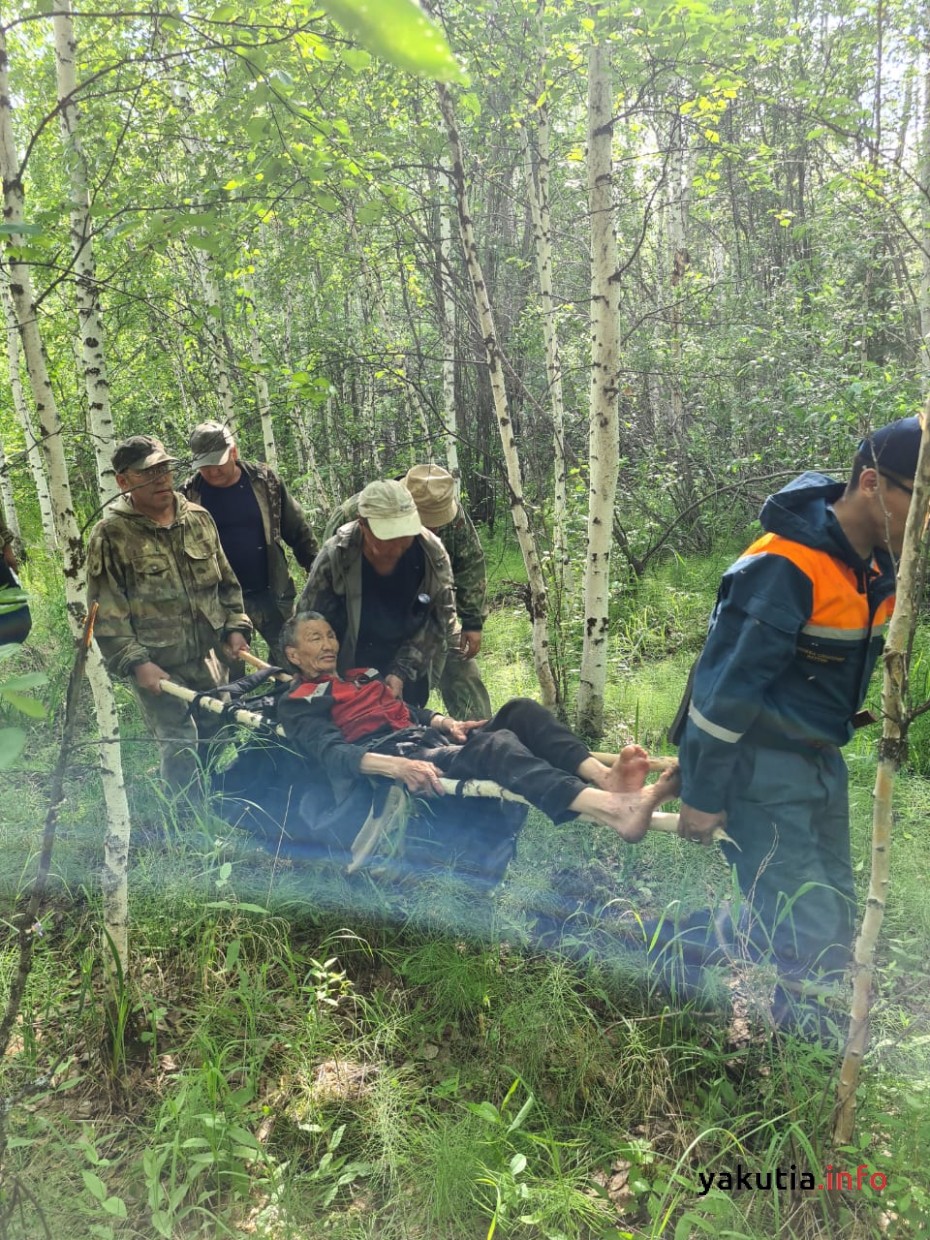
(304, 1054)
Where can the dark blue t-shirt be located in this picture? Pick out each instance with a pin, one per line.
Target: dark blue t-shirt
(390, 613)
(242, 532)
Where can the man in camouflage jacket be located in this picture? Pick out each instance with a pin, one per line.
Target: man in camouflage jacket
(221, 475)
(8, 547)
(433, 490)
(15, 624)
(335, 589)
(168, 600)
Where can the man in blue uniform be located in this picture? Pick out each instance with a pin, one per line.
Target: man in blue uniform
(794, 637)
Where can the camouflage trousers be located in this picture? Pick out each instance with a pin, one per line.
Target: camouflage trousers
(463, 690)
(268, 613)
(183, 744)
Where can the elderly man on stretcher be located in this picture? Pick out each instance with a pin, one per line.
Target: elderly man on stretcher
(353, 724)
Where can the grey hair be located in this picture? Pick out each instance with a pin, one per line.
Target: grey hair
(289, 631)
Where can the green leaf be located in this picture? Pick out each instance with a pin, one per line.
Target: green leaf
(94, 1185)
(484, 1110)
(23, 703)
(237, 907)
(369, 212)
(400, 32)
(357, 60)
(22, 230)
(12, 742)
(204, 241)
(30, 680)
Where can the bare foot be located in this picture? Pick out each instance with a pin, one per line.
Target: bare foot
(628, 813)
(628, 773)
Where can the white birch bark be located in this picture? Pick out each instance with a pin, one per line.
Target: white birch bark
(892, 751)
(211, 296)
(447, 328)
(262, 395)
(537, 183)
(677, 230)
(24, 417)
(539, 601)
(604, 418)
(923, 179)
(8, 514)
(117, 837)
(90, 319)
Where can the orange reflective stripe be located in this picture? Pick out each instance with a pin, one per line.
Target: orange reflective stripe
(838, 606)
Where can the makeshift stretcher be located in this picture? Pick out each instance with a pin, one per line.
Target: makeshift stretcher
(488, 837)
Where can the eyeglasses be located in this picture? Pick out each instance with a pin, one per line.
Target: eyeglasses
(153, 471)
(902, 486)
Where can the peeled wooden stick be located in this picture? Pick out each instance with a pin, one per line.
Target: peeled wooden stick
(247, 718)
(254, 661)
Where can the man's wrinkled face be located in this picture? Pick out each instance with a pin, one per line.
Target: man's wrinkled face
(315, 649)
(225, 475)
(383, 553)
(151, 490)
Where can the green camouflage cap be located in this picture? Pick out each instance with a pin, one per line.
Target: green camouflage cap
(140, 452)
(210, 444)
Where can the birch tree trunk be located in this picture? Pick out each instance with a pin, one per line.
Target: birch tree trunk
(923, 179)
(537, 183)
(539, 602)
(221, 372)
(447, 327)
(677, 227)
(8, 514)
(892, 751)
(604, 419)
(114, 792)
(262, 395)
(24, 417)
(90, 320)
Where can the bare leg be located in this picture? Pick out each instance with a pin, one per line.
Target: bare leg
(628, 773)
(628, 813)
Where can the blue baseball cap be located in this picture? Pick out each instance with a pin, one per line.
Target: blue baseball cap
(893, 449)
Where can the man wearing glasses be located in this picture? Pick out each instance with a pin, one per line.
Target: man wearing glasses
(169, 602)
(798, 626)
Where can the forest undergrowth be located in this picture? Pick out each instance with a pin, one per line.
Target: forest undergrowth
(298, 1053)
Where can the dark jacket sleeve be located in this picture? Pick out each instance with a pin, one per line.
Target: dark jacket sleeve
(308, 724)
(295, 529)
(752, 640)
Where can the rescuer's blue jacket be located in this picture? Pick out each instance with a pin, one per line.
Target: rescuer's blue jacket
(798, 625)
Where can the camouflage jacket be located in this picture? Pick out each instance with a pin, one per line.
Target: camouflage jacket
(334, 589)
(6, 536)
(283, 521)
(466, 555)
(166, 593)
